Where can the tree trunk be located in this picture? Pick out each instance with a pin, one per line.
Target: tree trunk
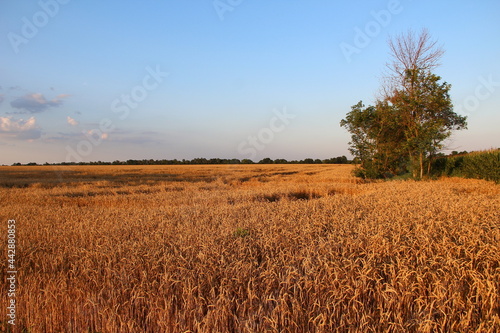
(412, 165)
(421, 157)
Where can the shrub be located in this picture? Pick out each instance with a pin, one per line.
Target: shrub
(479, 165)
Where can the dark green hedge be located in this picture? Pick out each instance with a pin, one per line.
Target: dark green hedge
(480, 165)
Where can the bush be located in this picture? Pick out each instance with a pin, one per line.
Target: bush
(367, 172)
(480, 165)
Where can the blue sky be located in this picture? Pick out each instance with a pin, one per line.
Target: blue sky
(117, 80)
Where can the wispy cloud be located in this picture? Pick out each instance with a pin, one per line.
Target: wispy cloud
(72, 121)
(63, 137)
(1, 98)
(36, 102)
(76, 136)
(19, 129)
(117, 136)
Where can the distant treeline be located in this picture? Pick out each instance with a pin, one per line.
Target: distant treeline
(199, 161)
(480, 165)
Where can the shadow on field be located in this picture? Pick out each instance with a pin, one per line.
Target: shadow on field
(295, 195)
(51, 179)
(265, 177)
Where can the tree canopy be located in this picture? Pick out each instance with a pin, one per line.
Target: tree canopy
(408, 125)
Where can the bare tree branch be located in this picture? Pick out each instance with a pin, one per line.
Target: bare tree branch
(409, 52)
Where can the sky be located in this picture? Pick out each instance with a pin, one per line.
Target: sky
(175, 79)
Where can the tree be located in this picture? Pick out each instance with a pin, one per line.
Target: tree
(376, 140)
(409, 53)
(266, 160)
(413, 117)
(427, 118)
(422, 102)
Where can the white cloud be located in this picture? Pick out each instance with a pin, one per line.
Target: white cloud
(36, 102)
(72, 121)
(93, 133)
(7, 124)
(19, 129)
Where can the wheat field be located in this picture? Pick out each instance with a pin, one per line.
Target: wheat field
(249, 248)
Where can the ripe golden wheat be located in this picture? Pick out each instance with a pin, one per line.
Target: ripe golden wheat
(260, 248)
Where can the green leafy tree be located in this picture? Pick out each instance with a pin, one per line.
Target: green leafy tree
(408, 126)
(422, 102)
(376, 140)
(427, 118)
